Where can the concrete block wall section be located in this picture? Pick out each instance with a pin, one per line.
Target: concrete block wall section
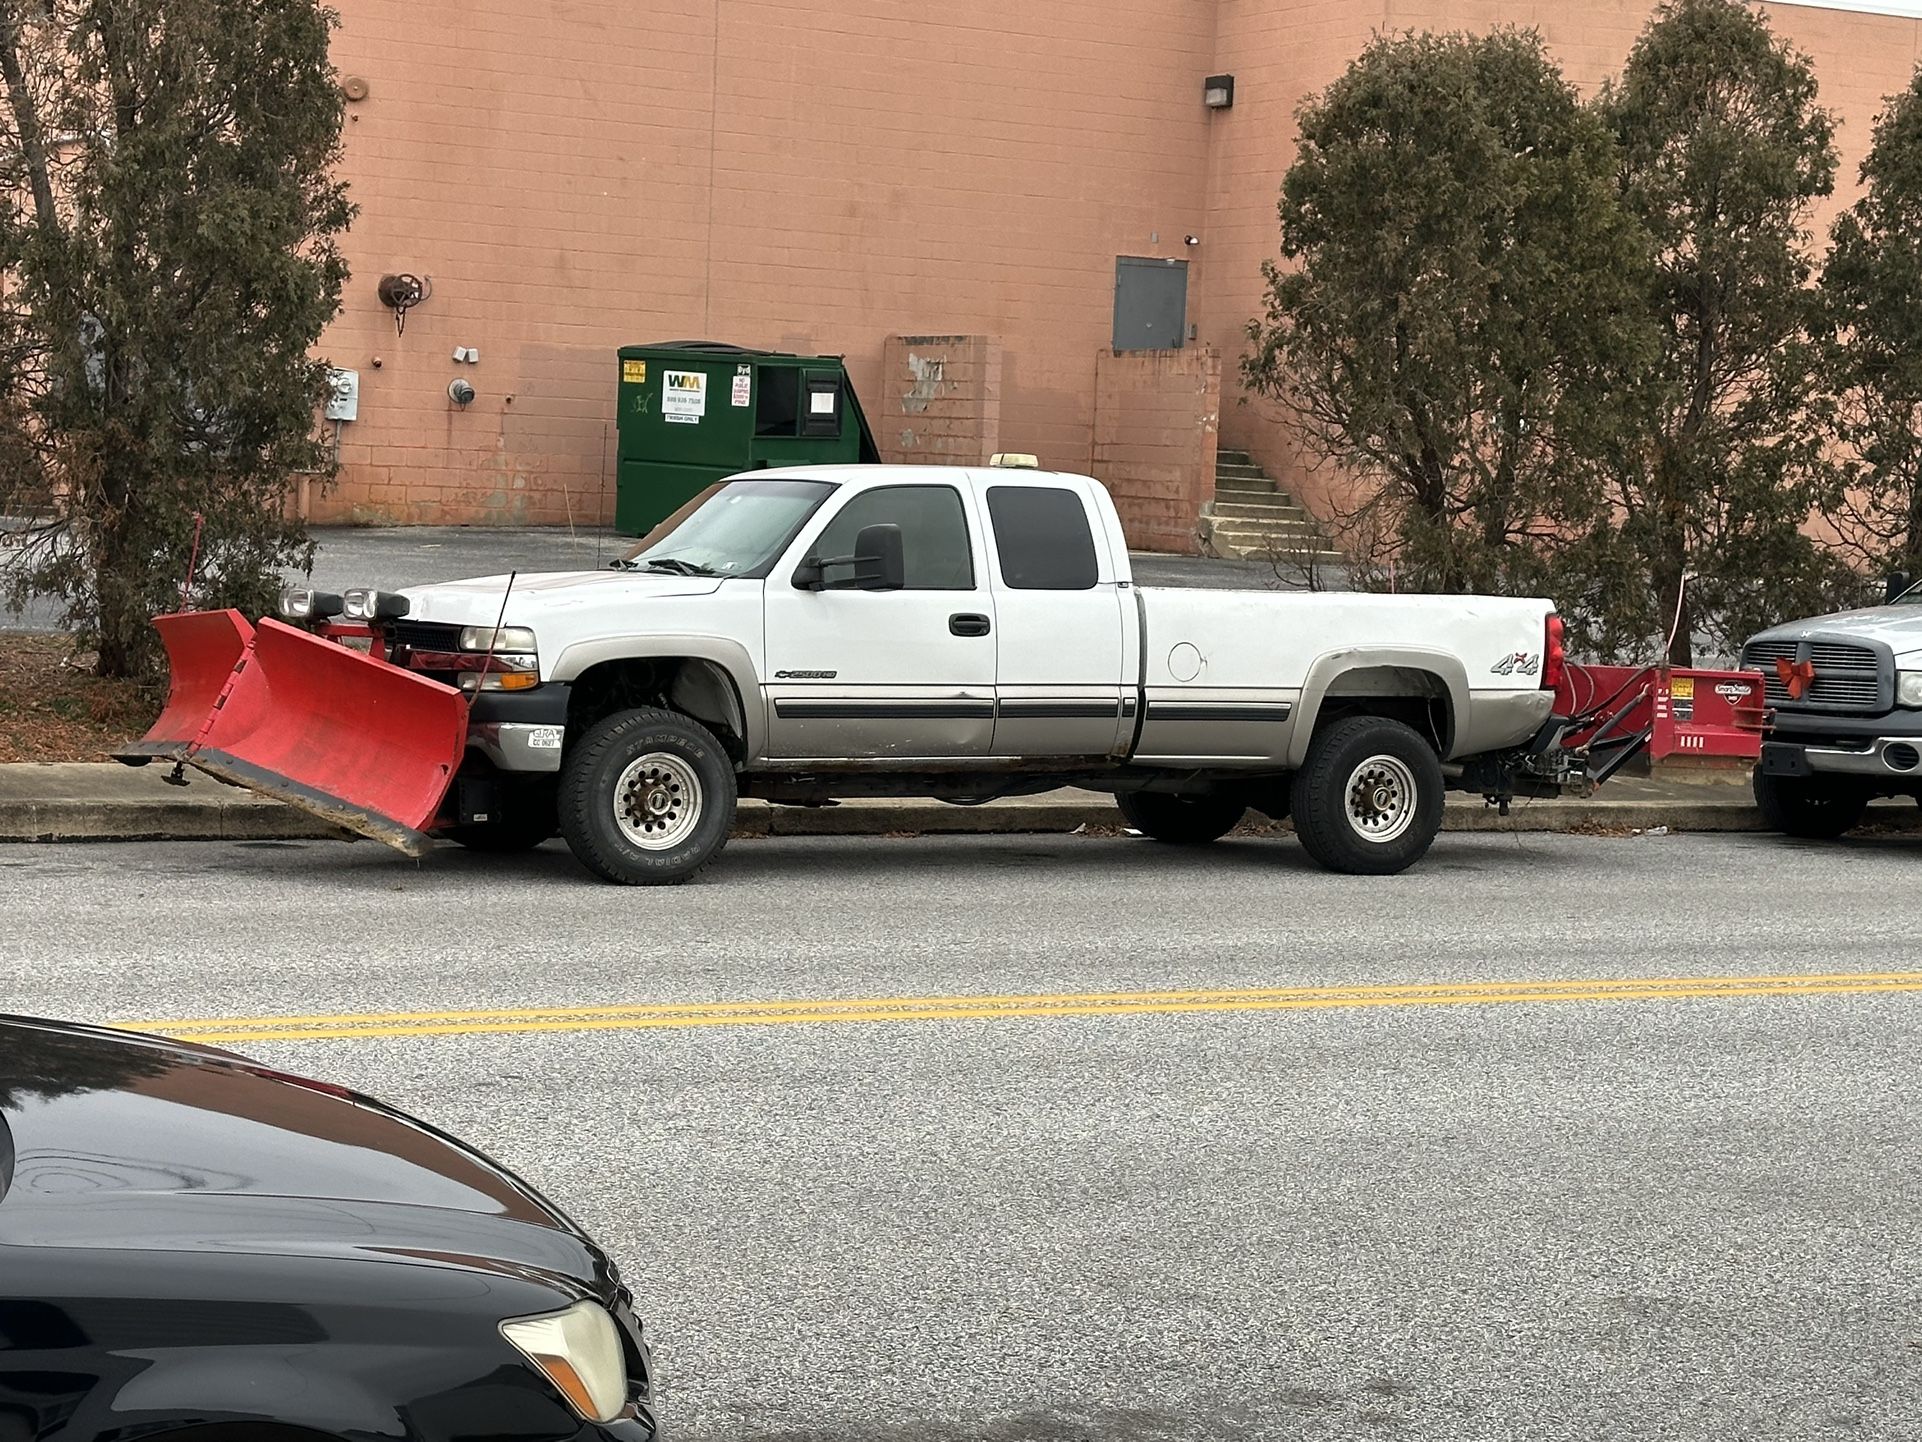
(1156, 419)
(939, 400)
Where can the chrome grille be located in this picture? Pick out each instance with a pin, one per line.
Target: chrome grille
(1847, 678)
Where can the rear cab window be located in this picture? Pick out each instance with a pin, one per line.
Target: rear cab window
(1043, 537)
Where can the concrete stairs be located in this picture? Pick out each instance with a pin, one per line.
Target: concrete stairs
(1251, 518)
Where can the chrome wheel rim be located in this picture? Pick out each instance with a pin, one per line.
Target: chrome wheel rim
(1382, 799)
(657, 801)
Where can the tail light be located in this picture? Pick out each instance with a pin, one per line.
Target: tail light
(1554, 653)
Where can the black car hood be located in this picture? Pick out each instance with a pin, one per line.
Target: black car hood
(122, 1141)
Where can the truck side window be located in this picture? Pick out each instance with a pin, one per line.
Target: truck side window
(1044, 539)
(934, 533)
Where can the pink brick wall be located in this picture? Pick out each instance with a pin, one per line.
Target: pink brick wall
(938, 401)
(813, 175)
(823, 175)
(1156, 418)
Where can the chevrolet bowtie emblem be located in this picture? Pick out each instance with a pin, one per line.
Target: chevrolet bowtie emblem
(1797, 676)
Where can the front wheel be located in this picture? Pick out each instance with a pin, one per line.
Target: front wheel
(1180, 820)
(1368, 801)
(1809, 806)
(646, 798)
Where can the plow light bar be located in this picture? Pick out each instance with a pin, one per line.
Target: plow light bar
(367, 604)
(303, 603)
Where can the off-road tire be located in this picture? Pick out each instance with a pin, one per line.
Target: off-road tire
(1810, 807)
(1368, 799)
(593, 797)
(1180, 820)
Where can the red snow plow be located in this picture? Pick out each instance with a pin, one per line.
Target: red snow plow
(333, 730)
(1683, 719)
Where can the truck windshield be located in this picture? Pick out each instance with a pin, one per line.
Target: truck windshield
(739, 530)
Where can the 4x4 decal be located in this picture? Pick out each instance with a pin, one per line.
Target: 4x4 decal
(1521, 663)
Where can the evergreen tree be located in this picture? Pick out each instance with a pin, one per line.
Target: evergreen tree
(1722, 149)
(1873, 283)
(163, 281)
(1461, 294)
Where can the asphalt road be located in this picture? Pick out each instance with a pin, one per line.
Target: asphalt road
(1450, 1213)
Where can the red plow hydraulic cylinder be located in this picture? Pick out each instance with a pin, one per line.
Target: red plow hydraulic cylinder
(355, 741)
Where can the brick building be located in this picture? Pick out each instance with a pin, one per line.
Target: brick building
(957, 198)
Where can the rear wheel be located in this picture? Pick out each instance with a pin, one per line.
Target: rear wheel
(646, 798)
(1810, 807)
(1180, 820)
(1368, 800)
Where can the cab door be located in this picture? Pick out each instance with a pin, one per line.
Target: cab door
(1064, 620)
(901, 674)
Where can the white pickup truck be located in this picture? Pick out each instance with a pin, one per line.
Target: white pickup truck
(964, 633)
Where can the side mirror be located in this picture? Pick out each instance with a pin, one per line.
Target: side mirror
(878, 564)
(1898, 585)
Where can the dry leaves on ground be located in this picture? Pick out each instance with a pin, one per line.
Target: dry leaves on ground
(53, 708)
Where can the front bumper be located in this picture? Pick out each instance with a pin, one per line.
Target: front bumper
(1884, 748)
(520, 731)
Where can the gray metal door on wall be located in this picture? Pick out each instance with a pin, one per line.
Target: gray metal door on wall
(1150, 303)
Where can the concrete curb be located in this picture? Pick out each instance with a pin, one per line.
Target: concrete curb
(159, 821)
(245, 819)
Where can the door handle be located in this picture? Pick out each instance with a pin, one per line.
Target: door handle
(968, 624)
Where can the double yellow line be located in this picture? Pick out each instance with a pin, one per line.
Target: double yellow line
(652, 1016)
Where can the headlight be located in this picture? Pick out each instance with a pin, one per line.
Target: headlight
(486, 638)
(366, 604)
(1908, 688)
(303, 603)
(579, 1351)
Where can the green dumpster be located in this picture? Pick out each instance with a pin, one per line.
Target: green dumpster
(692, 412)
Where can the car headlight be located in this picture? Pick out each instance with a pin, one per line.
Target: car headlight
(1908, 688)
(487, 638)
(579, 1351)
(364, 603)
(303, 603)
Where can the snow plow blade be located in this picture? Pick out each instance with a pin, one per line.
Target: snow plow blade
(357, 742)
(203, 650)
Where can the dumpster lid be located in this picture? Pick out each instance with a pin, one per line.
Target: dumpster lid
(722, 348)
(716, 347)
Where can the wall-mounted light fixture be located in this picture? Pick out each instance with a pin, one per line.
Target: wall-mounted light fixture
(1218, 92)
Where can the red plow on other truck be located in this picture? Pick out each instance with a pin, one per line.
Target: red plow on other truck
(1681, 718)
